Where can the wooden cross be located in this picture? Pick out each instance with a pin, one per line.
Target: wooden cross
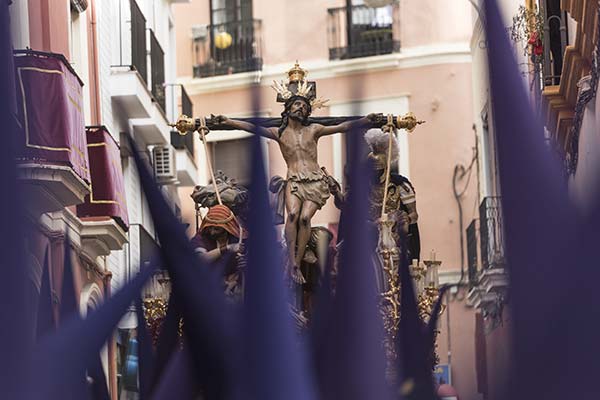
(187, 124)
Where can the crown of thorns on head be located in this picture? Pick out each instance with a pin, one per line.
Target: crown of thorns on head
(298, 86)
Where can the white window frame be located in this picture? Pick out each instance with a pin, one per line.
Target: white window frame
(396, 105)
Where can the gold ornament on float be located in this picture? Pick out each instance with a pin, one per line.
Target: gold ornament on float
(408, 122)
(223, 40)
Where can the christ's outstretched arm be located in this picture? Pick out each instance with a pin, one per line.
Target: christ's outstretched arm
(347, 126)
(269, 133)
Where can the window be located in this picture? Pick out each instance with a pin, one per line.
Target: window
(224, 11)
(555, 40)
(234, 18)
(489, 170)
(357, 30)
(380, 17)
(369, 27)
(233, 157)
(75, 40)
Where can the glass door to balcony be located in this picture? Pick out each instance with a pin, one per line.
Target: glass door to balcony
(357, 30)
(370, 30)
(555, 40)
(223, 11)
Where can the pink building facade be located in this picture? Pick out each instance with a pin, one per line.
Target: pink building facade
(409, 56)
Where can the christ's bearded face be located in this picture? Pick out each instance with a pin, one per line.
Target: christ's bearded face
(299, 110)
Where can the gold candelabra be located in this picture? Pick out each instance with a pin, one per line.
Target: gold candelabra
(426, 278)
(155, 310)
(389, 306)
(155, 306)
(426, 282)
(430, 292)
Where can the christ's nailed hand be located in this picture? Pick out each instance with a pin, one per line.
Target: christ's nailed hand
(373, 117)
(219, 119)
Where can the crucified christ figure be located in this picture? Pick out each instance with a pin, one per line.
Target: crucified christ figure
(306, 189)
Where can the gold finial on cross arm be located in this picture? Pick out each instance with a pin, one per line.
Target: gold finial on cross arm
(184, 125)
(409, 122)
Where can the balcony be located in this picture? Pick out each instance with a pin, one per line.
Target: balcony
(361, 31)
(488, 279)
(491, 233)
(129, 93)
(136, 81)
(129, 72)
(107, 196)
(228, 48)
(103, 214)
(477, 297)
(49, 188)
(187, 172)
(101, 236)
(568, 56)
(53, 165)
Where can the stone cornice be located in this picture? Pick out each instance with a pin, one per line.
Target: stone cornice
(49, 188)
(449, 276)
(98, 238)
(411, 57)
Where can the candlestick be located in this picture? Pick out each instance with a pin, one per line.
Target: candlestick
(432, 255)
(428, 274)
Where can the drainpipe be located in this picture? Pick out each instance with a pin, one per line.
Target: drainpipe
(460, 173)
(111, 345)
(96, 109)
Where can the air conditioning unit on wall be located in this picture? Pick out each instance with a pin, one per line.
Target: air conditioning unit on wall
(163, 160)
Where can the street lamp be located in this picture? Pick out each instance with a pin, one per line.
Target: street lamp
(223, 40)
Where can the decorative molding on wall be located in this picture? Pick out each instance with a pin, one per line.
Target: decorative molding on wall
(411, 57)
(450, 276)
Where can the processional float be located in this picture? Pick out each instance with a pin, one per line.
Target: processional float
(387, 255)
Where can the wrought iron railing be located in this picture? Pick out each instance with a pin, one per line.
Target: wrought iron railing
(491, 232)
(187, 107)
(157, 69)
(555, 43)
(229, 48)
(472, 262)
(186, 141)
(360, 31)
(138, 41)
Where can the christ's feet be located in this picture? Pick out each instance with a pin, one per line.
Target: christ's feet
(297, 276)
